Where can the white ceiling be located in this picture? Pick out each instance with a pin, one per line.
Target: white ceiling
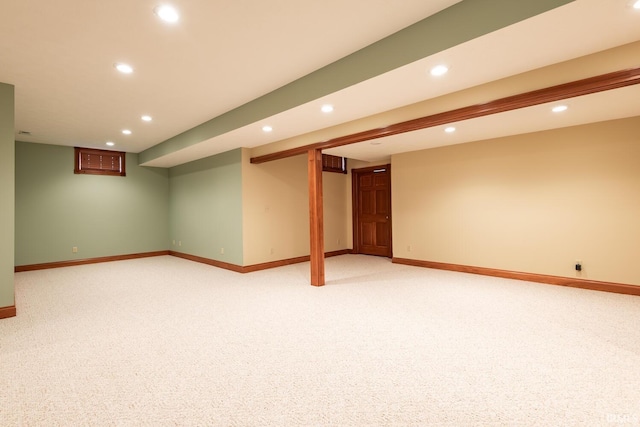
(222, 54)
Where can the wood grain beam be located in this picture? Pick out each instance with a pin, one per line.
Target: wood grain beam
(316, 222)
(601, 83)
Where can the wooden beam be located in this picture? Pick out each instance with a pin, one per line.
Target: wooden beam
(316, 222)
(601, 83)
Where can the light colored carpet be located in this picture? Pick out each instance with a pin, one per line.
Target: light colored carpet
(165, 341)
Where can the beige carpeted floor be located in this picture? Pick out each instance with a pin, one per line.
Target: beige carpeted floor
(164, 341)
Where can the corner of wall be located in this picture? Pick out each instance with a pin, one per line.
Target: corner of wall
(206, 206)
(7, 195)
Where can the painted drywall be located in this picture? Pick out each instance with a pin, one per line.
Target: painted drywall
(276, 210)
(336, 213)
(206, 207)
(57, 210)
(7, 194)
(532, 203)
(615, 59)
(457, 24)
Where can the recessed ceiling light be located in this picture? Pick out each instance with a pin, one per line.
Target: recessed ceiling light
(167, 13)
(327, 108)
(126, 131)
(439, 70)
(124, 68)
(146, 118)
(450, 129)
(560, 108)
(111, 144)
(636, 5)
(267, 128)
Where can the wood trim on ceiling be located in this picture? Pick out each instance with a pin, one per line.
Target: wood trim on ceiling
(59, 264)
(590, 85)
(573, 282)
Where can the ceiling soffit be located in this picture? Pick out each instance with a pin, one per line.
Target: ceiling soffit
(455, 25)
(601, 83)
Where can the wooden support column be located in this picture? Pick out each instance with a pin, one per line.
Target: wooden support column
(315, 217)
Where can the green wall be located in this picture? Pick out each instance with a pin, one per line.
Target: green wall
(100, 215)
(7, 200)
(206, 207)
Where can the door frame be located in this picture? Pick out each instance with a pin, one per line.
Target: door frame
(355, 173)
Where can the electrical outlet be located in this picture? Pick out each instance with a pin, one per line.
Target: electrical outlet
(179, 242)
(578, 265)
(174, 242)
(74, 249)
(408, 248)
(222, 251)
(272, 251)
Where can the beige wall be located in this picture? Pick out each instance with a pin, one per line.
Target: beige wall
(531, 203)
(276, 210)
(337, 214)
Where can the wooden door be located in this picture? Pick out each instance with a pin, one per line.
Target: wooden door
(372, 211)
